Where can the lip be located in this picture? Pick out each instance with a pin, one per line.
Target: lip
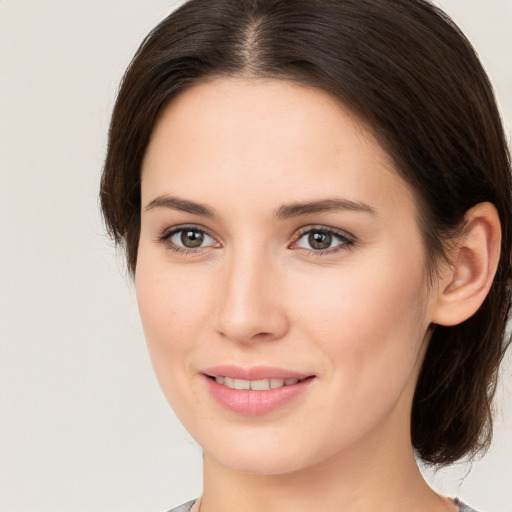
(255, 403)
(254, 372)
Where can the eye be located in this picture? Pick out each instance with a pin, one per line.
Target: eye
(321, 240)
(190, 238)
(185, 238)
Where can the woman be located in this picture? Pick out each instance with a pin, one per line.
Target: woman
(315, 201)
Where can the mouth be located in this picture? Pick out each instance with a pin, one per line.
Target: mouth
(256, 385)
(255, 391)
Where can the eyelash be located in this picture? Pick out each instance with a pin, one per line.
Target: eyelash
(166, 236)
(346, 241)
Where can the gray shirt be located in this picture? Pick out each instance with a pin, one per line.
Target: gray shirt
(184, 508)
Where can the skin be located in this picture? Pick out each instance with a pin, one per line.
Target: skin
(356, 317)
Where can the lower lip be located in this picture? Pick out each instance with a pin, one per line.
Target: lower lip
(255, 403)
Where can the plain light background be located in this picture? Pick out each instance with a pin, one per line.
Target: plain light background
(83, 424)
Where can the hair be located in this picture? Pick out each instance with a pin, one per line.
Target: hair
(406, 70)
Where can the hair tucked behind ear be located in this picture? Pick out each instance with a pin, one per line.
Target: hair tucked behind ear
(407, 71)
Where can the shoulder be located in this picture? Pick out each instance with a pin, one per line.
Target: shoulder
(183, 508)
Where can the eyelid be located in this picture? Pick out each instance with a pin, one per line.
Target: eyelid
(347, 238)
(168, 233)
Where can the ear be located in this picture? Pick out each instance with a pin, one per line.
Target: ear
(466, 281)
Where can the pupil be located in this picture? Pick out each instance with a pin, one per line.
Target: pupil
(320, 240)
(192, 238)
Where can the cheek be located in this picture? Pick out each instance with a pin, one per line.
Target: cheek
(171, 301)
(370, 320)
(351, 301)
(174, 306)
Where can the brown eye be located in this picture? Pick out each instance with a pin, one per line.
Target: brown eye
(188, 238)
(323, 239)
(320, 240)
(191, 238)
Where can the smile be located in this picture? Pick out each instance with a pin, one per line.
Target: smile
(255, 391)
(255, 385)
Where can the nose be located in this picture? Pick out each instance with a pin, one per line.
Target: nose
(250, 306)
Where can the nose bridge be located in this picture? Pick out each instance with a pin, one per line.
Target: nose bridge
(249, 308)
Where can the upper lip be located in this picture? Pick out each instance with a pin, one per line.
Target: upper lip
(254, 372)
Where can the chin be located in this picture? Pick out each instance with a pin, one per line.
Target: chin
(262, 453)
(261, 463)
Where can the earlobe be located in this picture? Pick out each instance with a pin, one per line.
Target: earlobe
(466, 282)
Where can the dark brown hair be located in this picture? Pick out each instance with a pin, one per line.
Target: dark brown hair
(409, 73)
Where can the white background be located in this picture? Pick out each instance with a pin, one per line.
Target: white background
(83, 425)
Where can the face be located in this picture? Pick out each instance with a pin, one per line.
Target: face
(280, 277)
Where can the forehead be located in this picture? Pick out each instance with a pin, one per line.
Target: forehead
(254, 136)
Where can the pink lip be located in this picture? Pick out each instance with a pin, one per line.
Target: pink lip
(254, 373)
(254, 403)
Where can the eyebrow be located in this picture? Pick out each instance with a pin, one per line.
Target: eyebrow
(183, 205)
(283, 212)
(322, 206)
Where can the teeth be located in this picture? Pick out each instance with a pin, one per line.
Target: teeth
(260, 385)
(276, 383)
(255, 385)
(242, 384)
